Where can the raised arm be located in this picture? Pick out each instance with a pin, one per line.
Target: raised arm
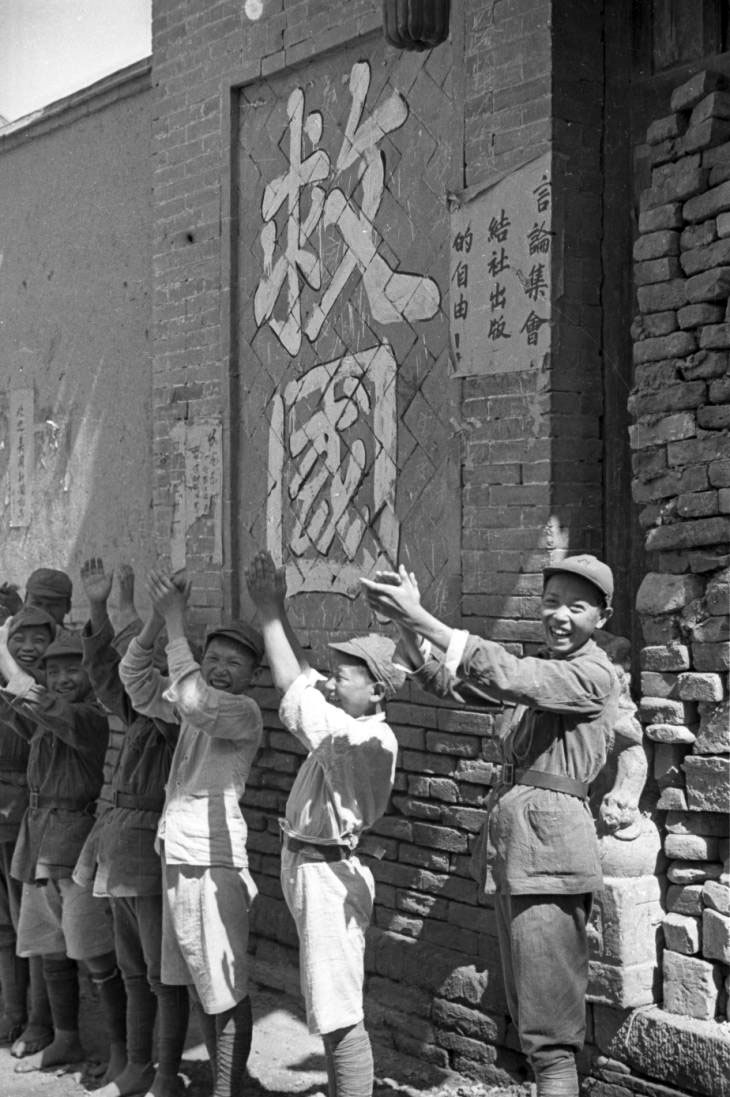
(267, 587)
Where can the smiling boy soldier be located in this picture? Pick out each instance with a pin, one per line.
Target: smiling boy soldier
(207, 888)
(541, 845)
(342, 787)
(29, 634)
(119, 855)
(59, 920)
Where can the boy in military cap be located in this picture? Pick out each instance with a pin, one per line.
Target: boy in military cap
(341, 789)
(51, 590)
(59, 920)
(540, 846)
(30, 632)
(119, 857)
(207, 888)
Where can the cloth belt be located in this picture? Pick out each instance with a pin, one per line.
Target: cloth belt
(140, 803)
(556, 782)
(315, 850)
(36, 800)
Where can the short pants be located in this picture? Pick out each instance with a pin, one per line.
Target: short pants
(331, 903)
(60, 916)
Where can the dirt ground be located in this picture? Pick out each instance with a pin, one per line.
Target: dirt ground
(285, 1061)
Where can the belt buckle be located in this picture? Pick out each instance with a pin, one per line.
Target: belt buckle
(508, 773)
(33, 799)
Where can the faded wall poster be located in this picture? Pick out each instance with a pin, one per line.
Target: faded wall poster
(500, 274)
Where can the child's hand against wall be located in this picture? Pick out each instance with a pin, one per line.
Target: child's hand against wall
(96, 581)
(266, 584)
(168, 599)
(393, 595)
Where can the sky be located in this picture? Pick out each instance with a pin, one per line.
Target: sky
(50, 48)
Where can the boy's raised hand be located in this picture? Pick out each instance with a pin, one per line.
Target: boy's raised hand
(266, 583)
(394, 595)
(97, 582)
(167, 597)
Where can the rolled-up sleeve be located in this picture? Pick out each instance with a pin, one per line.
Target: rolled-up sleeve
(144, 683)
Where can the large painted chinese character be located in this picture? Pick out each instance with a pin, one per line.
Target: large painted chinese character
(393, 296)
(332, 468)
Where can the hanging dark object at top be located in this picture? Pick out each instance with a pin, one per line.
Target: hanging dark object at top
(416, 24)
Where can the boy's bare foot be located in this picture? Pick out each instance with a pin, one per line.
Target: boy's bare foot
(32, 1039)
(117, 1063)
(135, 1079)
(65, 1048)
(11, 1029)
(166, 1085)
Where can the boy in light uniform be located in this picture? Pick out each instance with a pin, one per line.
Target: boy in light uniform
(29, 634)
(342, 787)
(59, 920)
(207, 888)
(541, 848)
(119, 857)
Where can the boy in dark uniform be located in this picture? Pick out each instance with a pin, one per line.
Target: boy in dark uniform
(30, 633)
(119, 854)
(541, 847)
(59, 920)
(51, 590)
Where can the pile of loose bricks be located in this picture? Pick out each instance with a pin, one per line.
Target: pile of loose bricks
(680, 404)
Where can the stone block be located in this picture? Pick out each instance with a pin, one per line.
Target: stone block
(716, 896)
(667, 710)
(688, 95)
(723, 221)
(624, 987)
(661, 630)
(665, 657)
(685, 899)
(676, 345)
(682, 934)
(715, 935)
(659, 594)
(703, 258)
(702, 562)
(699, 235)
(670, 733)
(683, 535)
(717, 596)
(655, 245)
(703, 135)
(650, 325)
(719, 175)
(705, 364)
(686, 182)
(693, 872)
(694, 1054)
(719, 389)
(714, 731)
(668, 216)
(659, 298)
(717, 157)
(715, 416)
(669, 398)
(697, 504)
(692, 686)
(664, 129)
(691, 847)
(656, 270)
(709, 204)
(707, 780)
(655, 684)
(693, 316)
(714, 105)
(710, 285)
(627, 913)
(672, 798)
(715, 657)
(715, 337)
(691, 986)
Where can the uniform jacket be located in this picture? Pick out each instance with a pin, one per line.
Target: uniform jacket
(202, 823)
(67, 742)
(119, 854)
(540, 841)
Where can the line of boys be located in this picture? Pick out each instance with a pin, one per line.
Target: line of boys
(343, 787)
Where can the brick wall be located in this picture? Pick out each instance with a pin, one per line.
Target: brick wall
(681, 406)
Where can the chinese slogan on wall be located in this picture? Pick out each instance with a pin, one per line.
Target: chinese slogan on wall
(500, 257)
